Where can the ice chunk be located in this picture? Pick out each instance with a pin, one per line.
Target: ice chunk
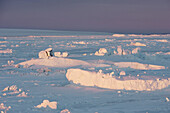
(3, 107)
(6, 51)
(6, 89)
(101, 52)
(137, 44)
(46, 53)
(119, 50)
(23, 94)
(65, 54)
(161, 40)
(167, 99)
(168, 53)
(87, 78)
(45, 103)
(122, 73)
(65, 111)
(136, 50)
(58, 54)
(81, 42)
(11, 88)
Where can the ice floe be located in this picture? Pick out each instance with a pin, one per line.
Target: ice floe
(140, 66)
(87, 78)
(56, 62)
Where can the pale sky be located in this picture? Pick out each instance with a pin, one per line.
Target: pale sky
(116, 16)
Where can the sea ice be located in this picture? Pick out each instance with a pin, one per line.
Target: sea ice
(137, 44)
(136, 50)
(59, 54)
(87, 78)
(6, 51)
(65, 111)
(46, 53)
(122, 73)
(101, 52)
(55, 62)
(23, 94)
(45, 103)
(118, 35)
(5, 108)
(167, 99)
(140, 66)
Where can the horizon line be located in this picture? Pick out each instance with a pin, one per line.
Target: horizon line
(62, 30)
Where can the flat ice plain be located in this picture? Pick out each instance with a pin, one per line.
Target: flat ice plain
(91, 72)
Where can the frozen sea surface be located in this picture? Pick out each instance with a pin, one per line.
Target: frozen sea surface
(124, 57)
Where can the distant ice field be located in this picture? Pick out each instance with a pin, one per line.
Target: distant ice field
(89, 72)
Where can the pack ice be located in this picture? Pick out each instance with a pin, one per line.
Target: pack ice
(87, 78)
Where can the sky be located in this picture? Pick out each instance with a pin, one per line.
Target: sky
(116, 16)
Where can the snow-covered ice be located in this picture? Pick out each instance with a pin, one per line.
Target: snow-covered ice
(6, 51)
(87, 78)
(83, 72)
(55, 62)
(101, 52)
(45, 103)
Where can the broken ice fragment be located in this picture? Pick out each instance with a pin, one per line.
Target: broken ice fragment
(45, 103)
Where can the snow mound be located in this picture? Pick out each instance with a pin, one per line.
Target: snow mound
(136, 50)
(118, 35)
(87, 78)
(81, 42)
(59, 54)
(136, 65)
(121, 51)
(101, 52)
(122, 73)
(23, 94)
(1, 42)
(55, 62)
(45, 103)
(168, 53)
(11, 88)
(3, 46)
(5, 108)
(161, 40)
(151, 35)
(6, 51)
(137, 44)
(65, 111)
